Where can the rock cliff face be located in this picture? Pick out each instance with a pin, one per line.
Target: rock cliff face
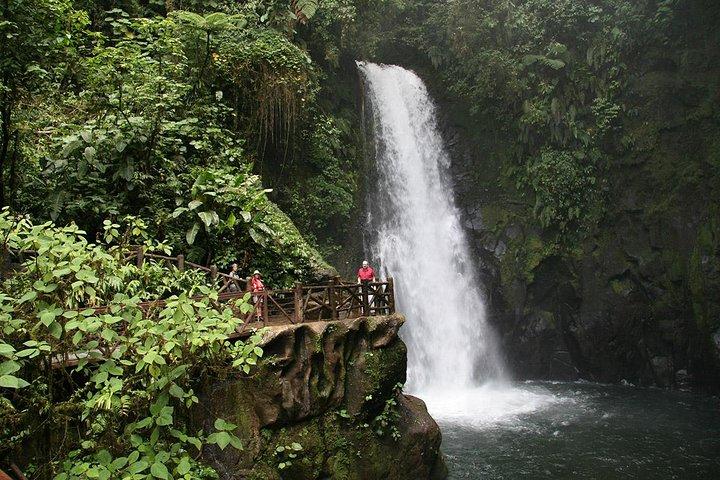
(636, 295)
(637, 299)
(326, 404)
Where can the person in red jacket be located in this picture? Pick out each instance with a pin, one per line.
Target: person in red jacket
(365, 274)
(257, 286)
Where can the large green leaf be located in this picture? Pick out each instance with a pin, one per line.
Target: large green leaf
(10, 381)
(158, 470)
(192, 233)
(308, 8)
(9, 367)
(209, 218)
(221, 439)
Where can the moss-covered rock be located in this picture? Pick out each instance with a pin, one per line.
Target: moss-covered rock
(325, 403)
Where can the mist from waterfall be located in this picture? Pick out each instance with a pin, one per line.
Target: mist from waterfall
(417, 237)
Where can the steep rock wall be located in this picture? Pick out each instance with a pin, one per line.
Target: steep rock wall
(634, 296)
(637, 301)
(326, 403)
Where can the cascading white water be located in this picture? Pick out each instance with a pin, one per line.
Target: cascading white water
(418, 239)
(415, 233)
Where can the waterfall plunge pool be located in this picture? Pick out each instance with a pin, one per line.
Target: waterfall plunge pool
(543, 430)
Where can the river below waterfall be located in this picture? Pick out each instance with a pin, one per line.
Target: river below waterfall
(541, 430)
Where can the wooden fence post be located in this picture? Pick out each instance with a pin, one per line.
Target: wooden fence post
(181, 263)
(336, 297)
(391, 295)
(213, 273)
(365, 298)
(265, 296)
(140, 256)
(332, 300)
(298, 294)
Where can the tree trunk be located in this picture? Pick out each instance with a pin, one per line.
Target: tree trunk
(4, 144)
(5, 114)
(12, 180)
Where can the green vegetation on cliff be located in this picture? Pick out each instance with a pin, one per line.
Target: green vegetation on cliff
(114, 108)
(584, 140)
(107, 392)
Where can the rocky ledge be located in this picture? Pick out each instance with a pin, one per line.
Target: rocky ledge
(326, 404)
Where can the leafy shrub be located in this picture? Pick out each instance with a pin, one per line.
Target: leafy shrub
(565, 188)
(119, 381)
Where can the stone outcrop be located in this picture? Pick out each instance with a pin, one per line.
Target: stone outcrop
(326, 403)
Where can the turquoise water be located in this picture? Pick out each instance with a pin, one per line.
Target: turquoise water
(588, 431)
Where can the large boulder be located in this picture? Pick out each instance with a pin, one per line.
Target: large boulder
(325, 403)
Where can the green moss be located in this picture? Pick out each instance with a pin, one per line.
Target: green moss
(320, 337)
(548, 317)
(381, 366)
(523, 257)
(342, 447)
(621, 287)
(495, 216)
(698, 295)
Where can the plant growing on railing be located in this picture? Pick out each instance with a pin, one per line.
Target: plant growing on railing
(123, 379)
(134, 233)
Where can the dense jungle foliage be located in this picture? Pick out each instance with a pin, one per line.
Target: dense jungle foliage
(120, 108)
(148, 123)
(585, 137)
(94, 385)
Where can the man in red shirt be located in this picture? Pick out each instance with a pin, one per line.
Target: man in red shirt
(366, 273)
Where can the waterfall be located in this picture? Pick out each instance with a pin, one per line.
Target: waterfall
(416, 236)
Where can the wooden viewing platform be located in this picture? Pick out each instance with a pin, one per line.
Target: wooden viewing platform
(331, 301)
(334, 300)
(302, 304)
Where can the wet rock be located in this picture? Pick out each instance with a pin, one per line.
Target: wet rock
(323, 385)
(500, 249)
(683, 380)
(562, 367)
(663, 368)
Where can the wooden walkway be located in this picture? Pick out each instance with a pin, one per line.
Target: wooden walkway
(334, 300)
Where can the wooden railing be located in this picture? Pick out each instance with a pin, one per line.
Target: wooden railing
(335, 300)
(140, 255)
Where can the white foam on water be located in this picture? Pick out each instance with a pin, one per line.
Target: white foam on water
(489, 405)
